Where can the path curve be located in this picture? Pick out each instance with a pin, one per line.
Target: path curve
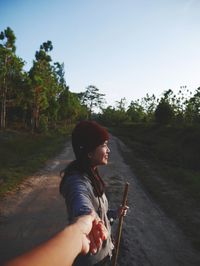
(36, 211)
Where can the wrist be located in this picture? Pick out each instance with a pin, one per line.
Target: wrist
(75, 233)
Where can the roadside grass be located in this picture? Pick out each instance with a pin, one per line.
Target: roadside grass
(169, 176)
(21, 154)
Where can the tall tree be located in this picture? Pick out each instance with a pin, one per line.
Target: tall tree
(149, 104)
(10, 68)
(164, 112)
(43, 82)
(92, 98)
(121, 105)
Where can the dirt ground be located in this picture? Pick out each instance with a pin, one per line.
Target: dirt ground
(36, 211)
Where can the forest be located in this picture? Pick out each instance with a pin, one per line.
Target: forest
(40, 100)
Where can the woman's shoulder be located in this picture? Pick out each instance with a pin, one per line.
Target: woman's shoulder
(75, 179)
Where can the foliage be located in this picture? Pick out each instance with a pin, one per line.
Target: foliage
(70, 108)
(10, 71)
(40, 99)
(173, 145)
(43, 84)
(149, 104)
(114, 116)
(136, 111)
(92, 98)
(192, 112)
(164, 113)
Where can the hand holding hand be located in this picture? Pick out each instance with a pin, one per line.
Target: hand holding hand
(97, 235)
(93, 231)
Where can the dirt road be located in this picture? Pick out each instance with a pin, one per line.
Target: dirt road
(36, 211)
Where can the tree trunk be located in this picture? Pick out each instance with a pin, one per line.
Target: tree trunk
(3, 103)
(35, 118)
(3, 111)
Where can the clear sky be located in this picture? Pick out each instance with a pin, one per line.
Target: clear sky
(126, 48)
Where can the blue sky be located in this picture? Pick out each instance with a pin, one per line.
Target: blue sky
(126, 48)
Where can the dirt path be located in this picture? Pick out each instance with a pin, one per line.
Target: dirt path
(36, 211)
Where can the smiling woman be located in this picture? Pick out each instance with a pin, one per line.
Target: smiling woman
(100, 155)
(84, 189)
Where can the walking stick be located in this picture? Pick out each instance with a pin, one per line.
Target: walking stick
(119, 229)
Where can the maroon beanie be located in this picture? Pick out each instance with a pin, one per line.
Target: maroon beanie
(86, 136)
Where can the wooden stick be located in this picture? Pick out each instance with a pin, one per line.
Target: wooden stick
(119, 229)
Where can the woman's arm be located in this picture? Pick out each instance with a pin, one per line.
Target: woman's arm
(77, 196)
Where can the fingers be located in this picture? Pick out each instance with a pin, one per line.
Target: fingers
(97, 235)
(123, 210)
(93, 243)
(93, 232)
(103, 231)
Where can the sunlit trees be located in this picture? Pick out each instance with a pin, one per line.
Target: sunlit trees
(44, 86)
(40, 98)
(70, 108)
(10, 70)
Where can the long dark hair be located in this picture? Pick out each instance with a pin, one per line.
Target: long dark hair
(83, 167)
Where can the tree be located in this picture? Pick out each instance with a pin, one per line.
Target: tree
(164, 113)
(44, 84)
(121, 105)
(108, 115)
(136, 111)
(192, 112)
(23, 100)
(148, 104)
(92, 98)
(70, 108)
(58, 84)
(10, 69)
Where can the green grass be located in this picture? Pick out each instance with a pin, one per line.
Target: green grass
(166, 162)
(21, 154)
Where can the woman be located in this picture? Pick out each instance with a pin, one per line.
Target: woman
(84, 189)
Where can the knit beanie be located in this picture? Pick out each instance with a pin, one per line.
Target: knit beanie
(86, 136)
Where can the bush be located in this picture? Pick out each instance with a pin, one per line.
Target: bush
(43, 123)
(164, 113)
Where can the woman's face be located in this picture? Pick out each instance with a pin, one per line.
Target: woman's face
(100, 155)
